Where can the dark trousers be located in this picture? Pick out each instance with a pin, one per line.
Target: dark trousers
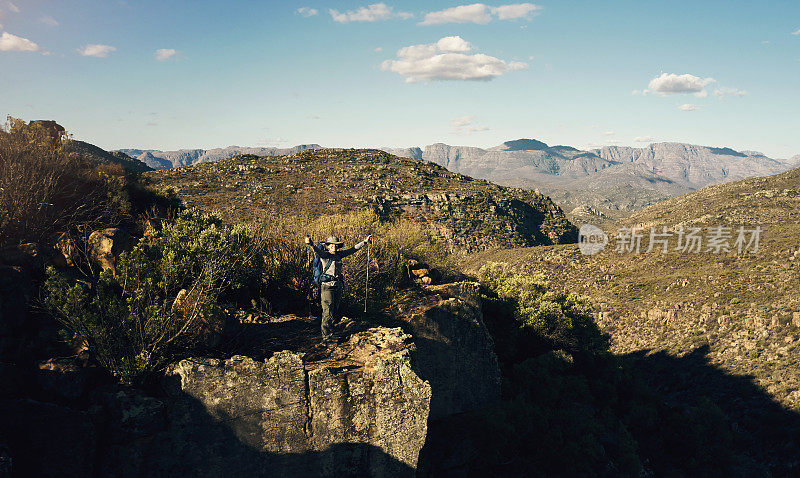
(331, 298)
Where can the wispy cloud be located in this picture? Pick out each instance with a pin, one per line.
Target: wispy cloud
(723, 92)
(644, 139)
(378, 49)
(49, 21)
(306, 12)
(448, 59)
(371, 13)
(670, 83)
(608, 133)
(165, 54)
(9, 42)
(465, 125)
(271, 142)
(688, 107)
(480, 13)
(96, 50)
(796, 32)
(515, 11)
(12, 7)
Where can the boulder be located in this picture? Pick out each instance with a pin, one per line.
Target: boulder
(106, 245)
(65, 252)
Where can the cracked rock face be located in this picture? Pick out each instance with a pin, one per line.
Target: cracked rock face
(454, 351)
(365, 414)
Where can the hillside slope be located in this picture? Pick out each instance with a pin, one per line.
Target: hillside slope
(744, 307)
(468, 214)
(100, 155)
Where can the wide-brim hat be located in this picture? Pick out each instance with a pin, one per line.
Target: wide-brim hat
(334, 240)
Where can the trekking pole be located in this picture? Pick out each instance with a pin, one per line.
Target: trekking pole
(309, 296)
(366, 289)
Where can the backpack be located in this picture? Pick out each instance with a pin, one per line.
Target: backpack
(316, 269)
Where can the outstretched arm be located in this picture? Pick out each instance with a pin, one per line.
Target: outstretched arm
(347, 252)
(315, 247)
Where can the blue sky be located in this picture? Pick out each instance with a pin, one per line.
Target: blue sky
(181, 74)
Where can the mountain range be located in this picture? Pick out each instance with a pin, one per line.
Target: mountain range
(612, 177)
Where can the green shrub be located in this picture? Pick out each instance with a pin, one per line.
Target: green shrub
(564, 320)
(164, 300)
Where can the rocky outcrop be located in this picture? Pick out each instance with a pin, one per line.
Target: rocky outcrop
(360, 408)
(363, 414)
(106, 244)
(474, 222)
(454, 351)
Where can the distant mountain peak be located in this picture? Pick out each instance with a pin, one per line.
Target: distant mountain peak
(521, 145)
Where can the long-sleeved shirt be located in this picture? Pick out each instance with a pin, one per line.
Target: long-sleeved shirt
(332, 263)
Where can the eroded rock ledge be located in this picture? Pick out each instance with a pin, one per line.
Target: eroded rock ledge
(284, 406)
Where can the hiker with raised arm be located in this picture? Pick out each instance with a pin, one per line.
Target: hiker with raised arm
(328, 274)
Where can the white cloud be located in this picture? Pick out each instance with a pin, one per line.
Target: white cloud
(797, 32)
(464, 125)
(165, 54)
(454, 44)
(513, 12)
(479, 13)
(448, 59)
(370, 13)
(608, 133)
(644, 139)
(307, 12)
(49, 21)
(723, 92)
(9, 42)
(378, 49)
(688, 107)
(97, 51)
(475, 13)
(670, 83)
(13, 7)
